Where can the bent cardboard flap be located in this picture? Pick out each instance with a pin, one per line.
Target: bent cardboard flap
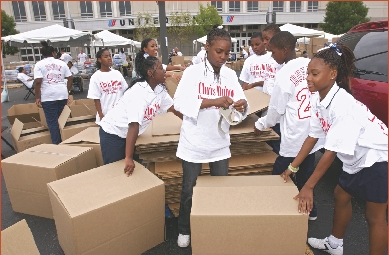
(16, 130)
(87, 191)
(257, 100)
(64, 117)
(17, 240)
(244, 195)
(89, 135)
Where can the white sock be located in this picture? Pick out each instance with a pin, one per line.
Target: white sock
(335, 242)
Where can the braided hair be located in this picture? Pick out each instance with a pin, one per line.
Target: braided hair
(216, 33)
(143, 63)
(344, 64)
(46, 50)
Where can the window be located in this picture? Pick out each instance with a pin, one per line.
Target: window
(252, 6)
(39, 11)
(255, 27)
(295, 6)
(124, 8)
(278, 6)
(86, 9)
(127, 31)
(371, 54)
(312, 25)
(105, 9)
(235, 28)
(313, 6)
(19, 11)
(58, 10)
(27, 54)
(218, 6)
(234, 6)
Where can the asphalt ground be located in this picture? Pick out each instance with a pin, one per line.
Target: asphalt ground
(356, 240)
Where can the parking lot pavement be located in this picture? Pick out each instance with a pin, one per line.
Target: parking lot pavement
(44, 232)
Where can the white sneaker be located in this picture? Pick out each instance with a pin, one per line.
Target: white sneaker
(183, 240)
(324, 245)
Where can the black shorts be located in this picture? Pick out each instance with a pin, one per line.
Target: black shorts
(369, 184)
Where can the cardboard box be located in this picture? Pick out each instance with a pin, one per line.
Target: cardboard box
(24, 112)
(72, 126)
(27, 173)
(87, 138)
(26, 138)
(178, 60)
(82, 107)
(246, 215)
(17, 240)
(102, 211)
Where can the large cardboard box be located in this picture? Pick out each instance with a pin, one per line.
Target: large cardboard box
(27, 173)
(178, 60)
(87, 138)
(246, 215)
(78, 108)
(102, 211)
(17, 240)
(72, 126)
(24, 112)
(82, 107)
(26, 138)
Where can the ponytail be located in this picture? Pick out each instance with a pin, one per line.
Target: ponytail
(143, 63)
(339, 56)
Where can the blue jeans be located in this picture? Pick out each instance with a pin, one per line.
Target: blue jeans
(275, 144)
(53, 110)
(113, 147)
(190, 173)
(305, 170)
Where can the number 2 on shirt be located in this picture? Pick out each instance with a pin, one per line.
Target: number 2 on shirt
(305, 104)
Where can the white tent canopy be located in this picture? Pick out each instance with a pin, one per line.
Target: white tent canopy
(109, 39)
(298, 31)
(56, 34)
(136, 44)
(326, 36)
(204, 39)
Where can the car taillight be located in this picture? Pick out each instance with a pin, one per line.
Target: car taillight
(370, 26)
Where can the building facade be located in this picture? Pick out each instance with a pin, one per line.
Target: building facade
(240, 18)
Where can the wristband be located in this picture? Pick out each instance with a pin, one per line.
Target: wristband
(293, 169)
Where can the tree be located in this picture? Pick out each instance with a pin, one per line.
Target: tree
(8, 28)
(145, 27)
(206, 19)
(181, 27)
(341, 16)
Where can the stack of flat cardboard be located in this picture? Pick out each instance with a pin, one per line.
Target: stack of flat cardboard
(157, 148)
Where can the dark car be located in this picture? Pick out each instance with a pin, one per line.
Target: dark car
(369, 41)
